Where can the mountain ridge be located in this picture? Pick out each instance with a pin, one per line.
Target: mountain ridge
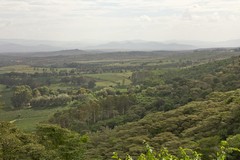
(11, 46)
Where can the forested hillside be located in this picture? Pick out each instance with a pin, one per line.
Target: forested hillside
(167, 99)
(48, 142)
(199, 125)
(151, 91)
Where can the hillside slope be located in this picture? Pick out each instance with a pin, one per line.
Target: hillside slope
(199, 125)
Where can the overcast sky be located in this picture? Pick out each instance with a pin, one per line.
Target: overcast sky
(117, 20)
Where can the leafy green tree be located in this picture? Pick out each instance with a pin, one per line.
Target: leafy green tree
(36, 93)
(44, 90)
(50, 101)
(234, 142)
(163, 154)
(21, 96)
(184, 154)
(48, 143)
(66, 144)
(91, 84)
(15, 144)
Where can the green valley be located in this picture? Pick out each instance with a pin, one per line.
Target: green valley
(113, 102)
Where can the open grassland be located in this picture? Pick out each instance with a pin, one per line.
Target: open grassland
(2, 87)
(105, 84)
(24, 69)
(61, 86)
(16, 68)
(108, 79)
(139, 62)
(29, 69)
(27, 119)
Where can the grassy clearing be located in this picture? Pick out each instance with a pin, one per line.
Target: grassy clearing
(17, 68)
(61, 86)
(111, 79)
(124, 90)
(122, 64)
(28, 69)
(102, 61)
(105, 84)
(27, 119)
(2, 87)
(110, 76)
(140, 62)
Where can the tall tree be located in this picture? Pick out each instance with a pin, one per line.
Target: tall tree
(21, 96)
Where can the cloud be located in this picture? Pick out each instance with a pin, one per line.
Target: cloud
(215, 17)
(118, 19)
(4, 23)
(144, 18)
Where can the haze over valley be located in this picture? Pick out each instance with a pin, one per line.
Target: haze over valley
(11, 45)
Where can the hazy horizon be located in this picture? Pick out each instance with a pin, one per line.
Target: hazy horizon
(110, 41)
(111, 20)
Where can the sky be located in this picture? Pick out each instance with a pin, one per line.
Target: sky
(119, 20)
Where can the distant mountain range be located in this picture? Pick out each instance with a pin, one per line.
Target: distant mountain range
(59, 53)
(24, 46)
(142, 46)
(204, 44)
(11, 47)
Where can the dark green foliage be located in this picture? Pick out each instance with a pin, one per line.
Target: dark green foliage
(109, 111)
(49, 142)
(15, 144)
(66, 144)
(178, 87)
(44, 90)
(33, 80)
(21, 96)
(197, 125)
(78, 80)
(91, 84)
(223, 153)
(50, 101)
